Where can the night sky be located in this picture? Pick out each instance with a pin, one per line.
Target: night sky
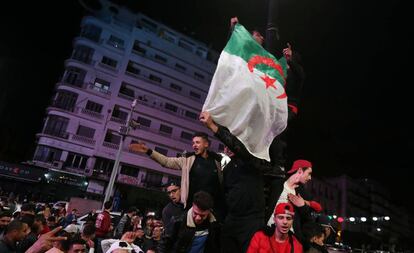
(356, 104)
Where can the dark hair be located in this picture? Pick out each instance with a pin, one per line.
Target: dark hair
(132, 209)
(28, 207)
(14, 225)
(28, 219)
(311, 229)
(51, 218)
(89, 229)
(202, 135)
(76, 239)
(108, 204)
(5, 214)
(203, 200)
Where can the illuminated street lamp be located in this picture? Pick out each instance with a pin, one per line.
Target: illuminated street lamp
(374, 218)
(363, 219)
(379, 229)
(387, 218)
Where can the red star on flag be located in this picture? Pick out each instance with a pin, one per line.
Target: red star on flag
(270, 82)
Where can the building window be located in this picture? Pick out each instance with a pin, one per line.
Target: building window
(94, 107)
(56, 126)
(160, 58)
(103, 166)
(85, 131)
(125, 90)
(91, 32)
(83, 54)
(47, 154)
(186, 45)
(144, 122)
(201, 52)
(138, 49)
(198, 76)
(171, 107)
(148, 25)
(161, 150)
(186, 135)
(168, 36)
(109, 62)
(110, 137)
(180, 67)
(153, 179)
(116, 42)
(195, 94)
(75, 160)
(119, 114)
(74, 76)
(175, 87)
(101, 85)
(65, 100)
(155, 78)
(129, 171)
(165, 129)
(191, 115)
(133, 68)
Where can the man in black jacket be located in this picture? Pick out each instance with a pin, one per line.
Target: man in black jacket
(174, 208)
(195, 231)
(243, 189)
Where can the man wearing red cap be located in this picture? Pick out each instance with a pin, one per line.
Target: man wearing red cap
(291, 191)
(280, 240)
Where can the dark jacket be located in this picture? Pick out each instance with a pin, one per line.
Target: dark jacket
(170, 211)
(178, 237)
(243, 180)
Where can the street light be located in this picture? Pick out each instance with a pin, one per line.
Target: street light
(387, 218)
(123, 131)
(374, 218)
(363, 219)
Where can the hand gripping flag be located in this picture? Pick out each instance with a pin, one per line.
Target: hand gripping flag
(247, 93)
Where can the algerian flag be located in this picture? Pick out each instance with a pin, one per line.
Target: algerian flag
(247, 95)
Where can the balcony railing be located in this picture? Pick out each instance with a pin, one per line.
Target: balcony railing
(92, 113)
(83, 139)
(110, 145)
(91, 86)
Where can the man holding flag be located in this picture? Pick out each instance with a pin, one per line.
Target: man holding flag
(247, 94)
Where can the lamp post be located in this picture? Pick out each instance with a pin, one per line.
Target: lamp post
(123, 131)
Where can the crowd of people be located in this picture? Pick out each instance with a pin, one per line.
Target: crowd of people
(217, 207)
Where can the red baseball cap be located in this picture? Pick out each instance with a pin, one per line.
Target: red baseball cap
(284, 208)
(299, 164)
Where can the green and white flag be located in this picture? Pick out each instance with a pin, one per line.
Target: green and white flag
(247, 93)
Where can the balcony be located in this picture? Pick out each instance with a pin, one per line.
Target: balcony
(83, 139)
(105, 92)
(92, 113)
(62, 135)
(110, 145)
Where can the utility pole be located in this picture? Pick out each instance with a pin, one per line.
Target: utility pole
(123, 131)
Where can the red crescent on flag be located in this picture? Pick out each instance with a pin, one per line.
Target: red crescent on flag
(257, 59)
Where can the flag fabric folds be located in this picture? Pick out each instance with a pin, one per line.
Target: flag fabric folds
(247, 93)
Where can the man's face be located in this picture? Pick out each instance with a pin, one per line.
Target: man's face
(283, 223)
(21, 234)
(200, 145)
(51, 223)
(258, 37)
(305, 175)
(199, 216)
(4, 221)
(174, 193)
(77, 248)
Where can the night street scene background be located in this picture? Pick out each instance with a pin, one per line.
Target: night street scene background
(66, 86)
